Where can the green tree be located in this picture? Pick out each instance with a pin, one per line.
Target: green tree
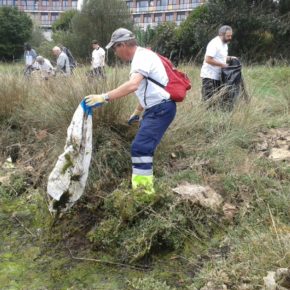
(165, 42)
(37, 37)
(15, 29)
(254, 22)
(97, 20)
(145, 37)
(63, 23)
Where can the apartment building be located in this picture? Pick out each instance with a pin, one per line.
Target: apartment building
(154, 12)
(44, 12)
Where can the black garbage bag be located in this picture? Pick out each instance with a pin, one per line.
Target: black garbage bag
(233, 83)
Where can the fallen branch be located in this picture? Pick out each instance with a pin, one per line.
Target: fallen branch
(28, 230)
(106, 262)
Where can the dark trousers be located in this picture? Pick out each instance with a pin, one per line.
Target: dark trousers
(99, 72)
(209, 88)
(155, 122)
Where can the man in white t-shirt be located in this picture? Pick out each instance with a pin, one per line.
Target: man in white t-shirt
(215, 59)
(159, 109)
(98, 60)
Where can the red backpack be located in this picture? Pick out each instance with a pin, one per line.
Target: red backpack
(178, 82)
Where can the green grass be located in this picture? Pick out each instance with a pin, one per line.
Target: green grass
(171, 244)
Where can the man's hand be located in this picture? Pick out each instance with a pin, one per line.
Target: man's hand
(135, 117)
(96, 100)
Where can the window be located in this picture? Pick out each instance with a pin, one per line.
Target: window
(55, 3)
(158, 18)
(136, 19)
(74, 4)
(183, 4)
(169, 17)
(44, 19)
(180, 16)
(31, 4)
(171, 2)
(64, 3)
(44, 3)
(129, 4)
(161, 4)
(142, 5)
(147, 18)
(54, 16)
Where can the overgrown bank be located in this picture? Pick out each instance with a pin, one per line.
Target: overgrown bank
(112, 239)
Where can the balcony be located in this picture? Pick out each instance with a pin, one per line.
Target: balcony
(144, 25)
(167, 8)
(40, 8)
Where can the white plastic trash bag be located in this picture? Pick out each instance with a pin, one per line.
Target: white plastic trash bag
(66, 182)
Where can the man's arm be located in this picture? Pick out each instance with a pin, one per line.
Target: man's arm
(210, 60)
(127, 87)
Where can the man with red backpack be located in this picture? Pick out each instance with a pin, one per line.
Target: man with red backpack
(153, 101)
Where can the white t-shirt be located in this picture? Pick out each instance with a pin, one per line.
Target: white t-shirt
(98, 57)
(46, 66)
(148, 64)
(217, 49)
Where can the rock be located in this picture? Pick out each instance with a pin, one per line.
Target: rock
(245, 287)
(269, 281)
(262, 146)
(229, 211)
(173, 155)
(211, 286)
(8, 164)
(203, 195)
(282, 277)
(279, 280)
(279, 154)
(5, 180)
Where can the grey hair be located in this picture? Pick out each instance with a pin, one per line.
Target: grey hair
(223, 30)
(39, 58)
(56, 48)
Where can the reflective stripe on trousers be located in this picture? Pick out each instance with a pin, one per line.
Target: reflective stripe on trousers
(155, 122)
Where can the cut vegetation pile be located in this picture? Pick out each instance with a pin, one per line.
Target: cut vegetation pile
(114, 238)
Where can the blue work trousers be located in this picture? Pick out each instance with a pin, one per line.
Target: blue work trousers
(155, 122)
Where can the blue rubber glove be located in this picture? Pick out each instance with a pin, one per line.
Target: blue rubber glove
(96, 100)
(135, 117)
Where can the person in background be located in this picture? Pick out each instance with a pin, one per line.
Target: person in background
(159, 109)
(98, 60)
(29, 58)
(45, 67)
(72, 61)
(215, 59)
(62, 62)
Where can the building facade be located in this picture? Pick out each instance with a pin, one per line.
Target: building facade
(144, 12)
(44, 12)
(154, 12)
